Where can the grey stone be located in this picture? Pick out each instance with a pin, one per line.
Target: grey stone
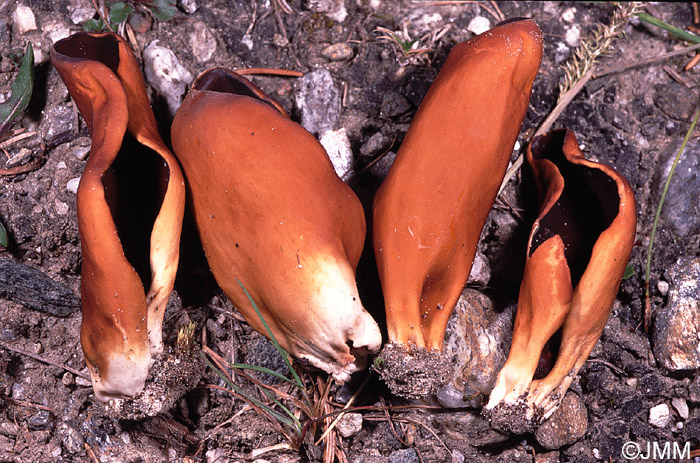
(481, 271)
(677, 326)
(57, 119)
(165, 74)
(468, 426)
(202, 42)
(404, 456)
(375, 144)
(71, 439)
(334, 9)
(477, 340)
(694, 389)
(39, 421)
(567, 425)
(350, 424)
(681, 407)
(318, 100)
(549, 457)
(394, 105)
(681, 209)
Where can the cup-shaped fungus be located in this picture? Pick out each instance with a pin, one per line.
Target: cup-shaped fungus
(432, 206)
(272, 214)
(577, 252)
(130, 205)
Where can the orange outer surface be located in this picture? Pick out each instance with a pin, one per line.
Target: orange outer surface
(121, 324)
(272, 213)
(429, 212)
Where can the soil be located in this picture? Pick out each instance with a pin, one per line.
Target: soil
(627, 119)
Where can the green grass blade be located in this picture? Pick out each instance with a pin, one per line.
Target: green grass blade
(293, 423)
(679, 33)
(663, 197)
(21, 91)
(259, 369)
(4, 241)
(280, 349)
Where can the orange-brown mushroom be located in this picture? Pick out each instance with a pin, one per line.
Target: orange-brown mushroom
(130, 207)
(431, 208)
(577, 253)
(272, 214)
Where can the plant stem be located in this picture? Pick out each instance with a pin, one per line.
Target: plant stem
(647, 304)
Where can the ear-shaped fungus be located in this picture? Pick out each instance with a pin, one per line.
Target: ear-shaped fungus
(272, 214)
(432, 206)
(577, 252)
(130, 206)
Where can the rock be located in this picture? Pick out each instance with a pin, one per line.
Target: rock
(676, 333)
(673, 100)
(318, 100)
(72, 185)
(660, 416)
(24, 19)
(567, 425)
(681, 209)
(71, 439)
(350, 424)
(202, 42)
(479, 25)
(394, 104)
(481, 271)
(573, 36)
(694, 389)
(663, 287)
(34, 290)
(338, 52)
(81, 147)
(468, 426)
(39, 421)
(549, 457)
(188, 6)
(681, 407)
(334, 9)
(337, 145)
(404, 456)
(81, 11)
(477, 341)
(165, 74)
(375, 144)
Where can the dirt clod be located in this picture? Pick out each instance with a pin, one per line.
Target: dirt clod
(415, 374)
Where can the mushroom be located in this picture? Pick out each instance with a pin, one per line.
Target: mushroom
(577, 253)
(130, 204)
(432, 206)
(273, 215)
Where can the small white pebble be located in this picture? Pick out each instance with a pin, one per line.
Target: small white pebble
(247, 40)
(479, 25)
(660, 416)
(337, 145)
(24, 19)
(573, 36)
(681, 407)
(568, 15)
(72, 185)
(61, 208)
(662, 286)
